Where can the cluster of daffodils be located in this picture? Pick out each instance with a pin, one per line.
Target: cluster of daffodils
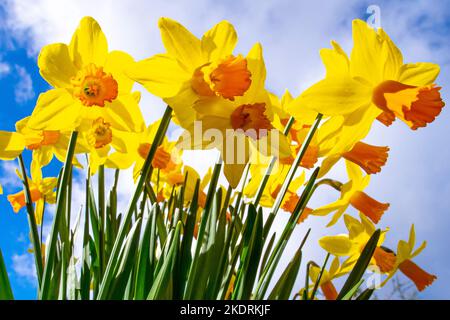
(261, 138)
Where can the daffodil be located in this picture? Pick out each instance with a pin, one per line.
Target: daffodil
(235, 127)
(352, 194)
(101, 139)
(273, 187)
(335, 271)
(405, 254)
(194, 69)
(351, 245)
(46, 144)
(138, 145)
(89, 83)
(42, 190)
(299, 129)
(373, 84)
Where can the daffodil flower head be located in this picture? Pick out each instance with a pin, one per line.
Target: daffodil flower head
(42, 190)
(88, 81)
(351, 245)
(352, 194)
(374, 83)
(194, 69)
(405, 254)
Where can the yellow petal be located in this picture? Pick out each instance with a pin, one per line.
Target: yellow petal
(220, 41)
(335, 96)
(392, 56)
(55, 110)
(116, 64)
(181, 44)
(88, 44)
(56, 66)
(366, 59)
(43, 156)
(419, 74)
(11, 145)
(339, 245)
(161, 75)
(119, 161)
(335, 61)
(182, 105)
(125, 114)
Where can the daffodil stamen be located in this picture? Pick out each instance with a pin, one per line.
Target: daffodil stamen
(384, 260)
(93, 87)
(329, 290)
(252, 119)
(162, 158)
(17, 200)
(100, 134)
(369, 158)
(420, 277)
(229, 78)
(417, 106)
(370, 207)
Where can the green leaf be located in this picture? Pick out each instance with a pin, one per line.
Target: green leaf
(283, 287)
(162, 286)
(352, 291)
(366, 294)
(5, 287)
(250, 255)
(361, 265)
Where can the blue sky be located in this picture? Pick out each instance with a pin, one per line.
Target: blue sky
(416, 179)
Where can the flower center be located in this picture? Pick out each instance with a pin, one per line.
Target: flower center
(229, 78)
(384, 260)
(420, 277)
(161, 159)
(369, 158)
(100, 134)
(368, 206)
(49, 137)
(416, 106)
(252, 119)
(93, 87)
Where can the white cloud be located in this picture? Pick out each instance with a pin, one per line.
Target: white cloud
(9, 177)
(4, 69)
(23, 91)
(23, 266)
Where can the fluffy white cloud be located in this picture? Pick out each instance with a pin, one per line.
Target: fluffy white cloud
(23, 266)
(23, 91)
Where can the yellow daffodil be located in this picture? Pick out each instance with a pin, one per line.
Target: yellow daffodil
(101, 138)
(12, 145)
(193, 68)
(335, 271)
(88, 82)
(41, 190)
(137, 147)
(273, 187)
(299, 130)
(373, 84)
(351, 245)
(48, 143)
(236, 126)
(352, 195)
(405, 255)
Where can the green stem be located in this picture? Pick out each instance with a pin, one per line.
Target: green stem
(269, 169)
(102, 218)
(146, 171)
(290, 176)
(51, 252)
(32, 222)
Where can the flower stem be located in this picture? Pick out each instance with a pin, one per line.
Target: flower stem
(145, 173)
(32, 222)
